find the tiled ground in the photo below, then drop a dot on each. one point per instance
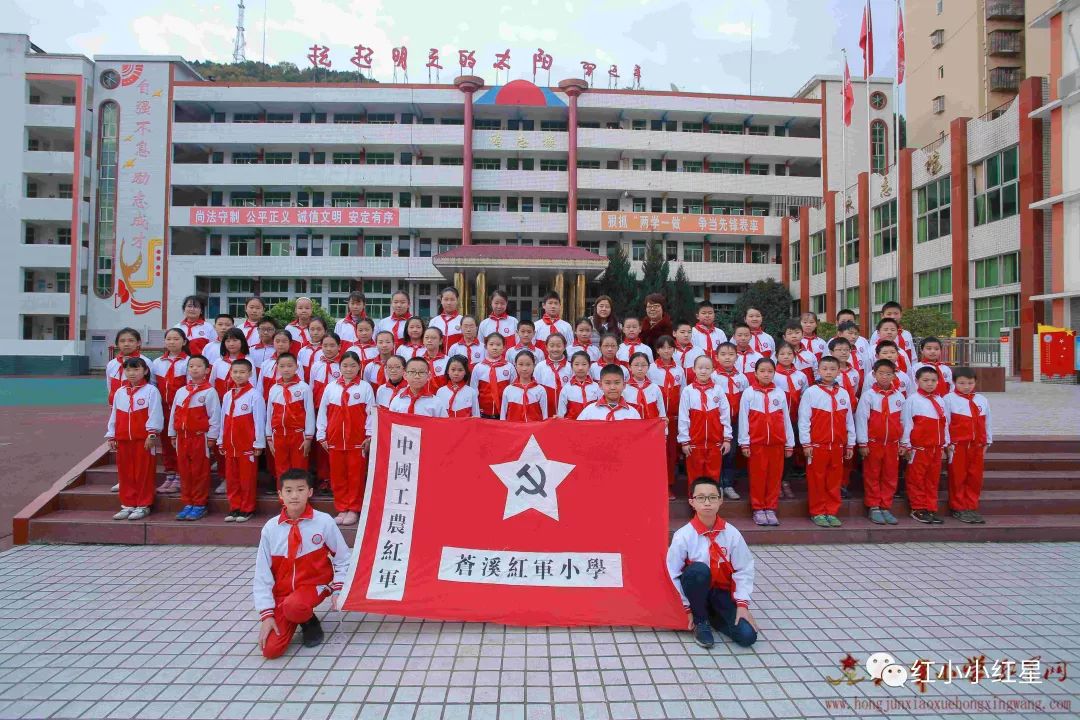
(168, 632)
(1036, 409)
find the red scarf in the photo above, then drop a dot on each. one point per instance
(228, 360)
(190, 325)
(524, 396)
(413, 399)
(720, 568)
(707, 332)
(454, 390)
(346, 415)
(170, 375)
(397, 320)
(305, 337)
(550, 322)
(978, 433)
(493, 380)
(612, 409)
(582, 384)
(555, 368)
(755, 336)
(296, 540)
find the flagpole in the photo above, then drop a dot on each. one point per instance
(869, 151)
(896, 140)
(843, 211)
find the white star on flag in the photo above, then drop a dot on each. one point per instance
(531, 481)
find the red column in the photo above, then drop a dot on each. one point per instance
(467, 84)
(573, 88)
(830, 254)
(865, 254)
(905, 247)
(746, 250)
(804, 257)
(785, 250)
(959, 159)
(1032, 248)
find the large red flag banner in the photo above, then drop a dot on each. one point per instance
(554, 523)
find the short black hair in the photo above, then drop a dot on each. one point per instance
(138, 362)
(663, 341)
(613, 369)
(523, 353)
(351, 355)
(705, 304)
(526, 323)
(847, 325)
(635, 356)
(964, 372)
(243, 362)
(726, 344)
(461, 360)
(127, 331)
(739, 324)
(366, 320)
(764, 360)
(551, 296)
(284, 355)
(227, 316)
(892, 304)
(357, 295)
(234, 333)
(927, 369)
(885, 363)
(704, 481)
(828, 359)
(199, 357)
(296, 474)
(839, 341)
(931, 339)
(885, 344)
(845, 311)
(793, 324)
(581, 354)
(267, 320)
(885, 321)
(410, 361)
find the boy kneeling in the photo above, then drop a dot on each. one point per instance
(713, 570)
(302, 560)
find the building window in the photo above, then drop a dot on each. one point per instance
(847, 237)
(934, 218)
(726, 168)
(885, 291)
(487, 124)
(691, 127)
(795, 263)
(693, 252)
(451, 161)
(481, 203)
(380, 119)
(277, 199)
(879, 146)
(937, 38)
(637, 250)
(486, 164)
(993, 314)
(940, 6)
(817, 253)
(275, 245)
(241, 247)
(450, 202)
(996, 187)
(342, 246)
(105, 236)
(725, 253)
(379, 158)
(885, 228)
(938, 104)
(240, 198)
(245, 158)
(553, 165)
(762, 130)
(278, 158)
(692, 166)
(377, 245)
(760, 254)
(758, 169)
(849, 298)
(935, 282)
(553, 205)
(519, 163)
(941, 72)
(588, 204)
(817, 304)
(344, 199)
(382, 200)
(588, 164)
(349, 158)
(553, 125)
(997, 270)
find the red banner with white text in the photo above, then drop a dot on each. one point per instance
(560, 523)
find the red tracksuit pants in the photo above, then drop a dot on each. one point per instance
(136, 468)
(289, 453)
(966, 476)
(881, 469)
(295, 608)
(924, 479)
(703, 461)
(320, 462)
(348, 474)
(672, 451)
(766, 468)
(193, 464)
(241, 474)
(168, 452)
(824, 473)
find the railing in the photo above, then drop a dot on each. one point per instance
(1004, 42)
(1004, 79)
(1004, 9)
(969, 351)
(931, 147)
(997, 112)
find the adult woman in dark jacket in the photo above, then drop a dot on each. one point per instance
(656, 322)
(604, 320)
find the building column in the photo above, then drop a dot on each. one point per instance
(905, 246)
(1032, 250)
(804, 257)
(467, 84)
(463, 292)
(830, 255)
(481, 295)
(865, 254)
(579, 311)
(785, 250)
(960, 202)
(559, 286)
(573, 88)
(746, 250)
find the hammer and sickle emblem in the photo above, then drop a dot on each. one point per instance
(537, 487)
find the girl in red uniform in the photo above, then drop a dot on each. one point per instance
(583, 333)
(414, 339)
(134, 424)
(346, 421)
(492, 376)
(459, 397)
(449, 320)
(254, 309)
(364, 345)
(128, 345)
(298, 328)
(290, 418)
(194, 427)
(766, 438)
(268, 373)
(198, 330)
(609, 347)
(309, 353)
(469, 346)
(792, 381)
(170, 373)
(434, 357)
(704, 423)
(233, 347)
(642, 393)
(671, 379)
(243, 426)
(553, 371)
(581, 390)
(524, 400)
(393, 381)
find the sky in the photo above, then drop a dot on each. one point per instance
(700, 46)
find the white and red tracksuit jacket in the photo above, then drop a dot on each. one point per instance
(815, 345)
(733, 569)
(424, 403)
(746, 361)
(704, 415)
(851, 381)
(826, 417)
(646, 397)
(386, 392)
(258, 353)
(792, 381)
(546, 327)
(290, 410)
(732, 382)
(460, 400)
(903, 340)
(395, 325)
(300, 335)
(196, 409)
(306, 358)
(243, 421)
(221, 374)
(589, 349)
(945, 381)
(901, 382)
(436, 370)
(323, 374)
(199, 334)
(597, 367)
(926, 422)
(471, 351)
(575, 395)
(268, 375)
(537, 349)
(409, 350)
(762, 343)
(877, 417)
(685, 357)
(627, 350)
(764, 418)
(707, 339)
(136, 413)
(346, 414)
(450, 326)
(806, 362)
(491, 378)
(969, 418)
(170, 374)
(505, 325)
(552, 376)
(114, 373)
(250, 330)
(366, 351)
(309, 552)
(345, 328)
(604, 411)
(375, 373)
(671, 380)
(524, 403)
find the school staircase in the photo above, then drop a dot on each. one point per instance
(1031, 493)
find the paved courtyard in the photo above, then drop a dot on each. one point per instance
(168, 632)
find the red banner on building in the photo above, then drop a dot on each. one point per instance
(687, 223)
(292, 217)
(554, 523)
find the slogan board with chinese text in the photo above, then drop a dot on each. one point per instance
(682, 222)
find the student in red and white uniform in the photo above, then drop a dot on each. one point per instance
(765, 438)
(434, 357)
(685, 352)
(524, 400)
(887, 350)
(449, 320)
(264, 345)
(847, 326)
(611, 405)
(971, 434)
(128, 345)
(792, 381)
(498, 321)
(849, 378)
(243, 438)
(344, 426)
(609, 348)
(931, 357)
(309, 353)
(705, 335)
(492, 376)
(926, 441)
(805, 360)
(268, 373)
(810, 339)
(298, 328)
(290, 417)
(551, 321)
(469, 346)
(374, 371)
(671, 379)
(878, 430)
(393, 381)
(889, 330)
(526, 340)
(554, 371)
(254, 310)
(198, 330)
(827, 436)
(223, 322)
(233, 347)
(583, 334)
(732, 382)
(632, 343)
(895, 311)
(170, 374)
(760, 341)
(643, 394)
(194, 426)
(457, 395)
(135, 422)
(417, 397)
(745, 357)
(414, 339)
(579, 390)
(302, 560)
(325, 367)
(348, 327)
(399, 315)
(704, 423)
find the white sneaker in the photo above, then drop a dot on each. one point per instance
(115, 488)
(730, 494)
(139, 513)
(220, 489)
(124, 514)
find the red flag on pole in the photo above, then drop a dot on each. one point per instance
(901, 55)
(518, 523)
(849, 94)
(866, 41)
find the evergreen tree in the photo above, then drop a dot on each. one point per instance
(681, 304)
(774, 301)
(618, 281)
(654, 278)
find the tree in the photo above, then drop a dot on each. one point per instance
(252, 71)
(654, 278)
(924, 322)
(284, 313)
(774, 301)
(826, 330)
(618, 281)
(681, 304)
